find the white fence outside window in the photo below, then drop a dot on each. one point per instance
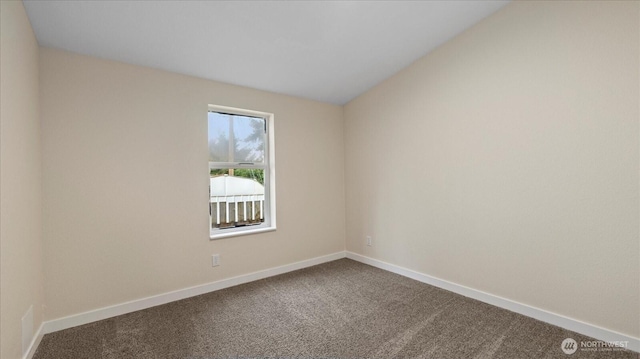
(235, 201)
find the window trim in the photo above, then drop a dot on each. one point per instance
(269, 176)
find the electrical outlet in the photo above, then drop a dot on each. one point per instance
(369, 241)
(215, 260)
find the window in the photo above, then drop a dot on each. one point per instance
(241, 172)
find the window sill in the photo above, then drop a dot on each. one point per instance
(238, 233)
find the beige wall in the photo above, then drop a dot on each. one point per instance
(126, 182)
(21, 278)
(507, 161)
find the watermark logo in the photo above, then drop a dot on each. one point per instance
(569, 346)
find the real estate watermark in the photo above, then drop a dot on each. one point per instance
(570, 346)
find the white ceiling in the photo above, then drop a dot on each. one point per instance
(330, 51)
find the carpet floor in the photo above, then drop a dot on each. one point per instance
(340, 309)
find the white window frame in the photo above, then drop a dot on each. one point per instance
(269, 223)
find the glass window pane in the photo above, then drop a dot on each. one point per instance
(237, 197)
(250, 173)
(234, 138)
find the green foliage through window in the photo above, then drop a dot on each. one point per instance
(252, 173)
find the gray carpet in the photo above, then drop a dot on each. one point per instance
(341, 309)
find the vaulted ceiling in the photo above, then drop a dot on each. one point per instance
(330, 51)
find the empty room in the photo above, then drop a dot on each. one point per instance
(319, 179)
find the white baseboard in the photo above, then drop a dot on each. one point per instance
(34, 342)
(144, 303)
(529, 311)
